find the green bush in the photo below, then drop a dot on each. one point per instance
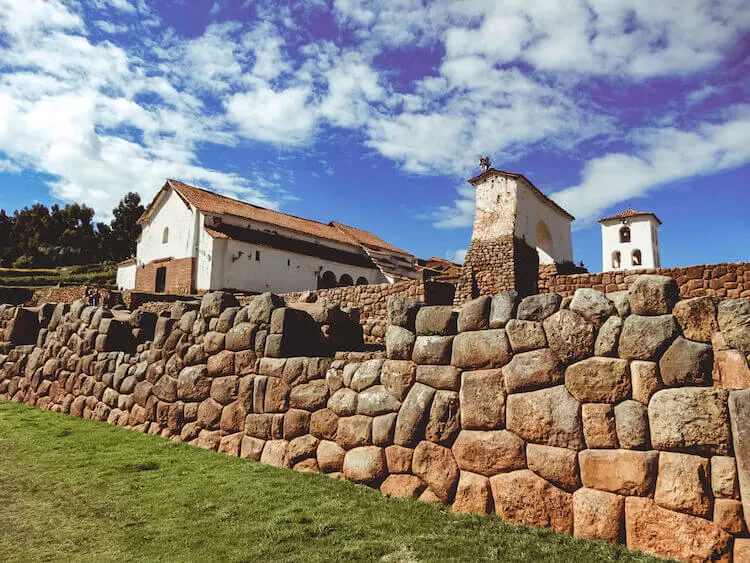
(24, 262)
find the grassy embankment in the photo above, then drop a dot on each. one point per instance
(79, 490)
(93, 274)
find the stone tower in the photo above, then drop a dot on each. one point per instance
(630, 241)
(516, 228)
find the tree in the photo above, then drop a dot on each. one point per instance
(124, 227)
(6, 247)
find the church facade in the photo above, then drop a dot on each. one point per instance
(196, 240)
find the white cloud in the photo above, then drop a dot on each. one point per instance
(457, 256)
(459, 214)
(661, 156)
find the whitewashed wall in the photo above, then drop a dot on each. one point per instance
(126, 276)
(643, 236)
(175, 215)
(531, 210)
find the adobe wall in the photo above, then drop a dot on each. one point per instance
(719, 280)
(179, 276)
(626, 420)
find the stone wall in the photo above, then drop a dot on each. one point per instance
(623, 419)
(719, 280)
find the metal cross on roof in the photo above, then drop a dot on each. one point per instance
(485, 163)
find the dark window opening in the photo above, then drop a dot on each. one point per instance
(362, 280)
(327, 280)
(625, 234)
(161, 280)
(346, 280)
(257, 255)
(637, 259)
(616, 259)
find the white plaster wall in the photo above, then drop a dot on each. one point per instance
(205, 247)
(496, 208)
(178, 217)
(532, 209)
(643, 236)
(279, 271)
(126, 276)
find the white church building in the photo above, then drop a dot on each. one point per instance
(195, 240)
(630, 241)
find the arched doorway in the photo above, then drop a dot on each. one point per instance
(361, 280)
(346, 280)
(327, 280)
(544, 246)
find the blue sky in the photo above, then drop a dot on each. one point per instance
(374, 113)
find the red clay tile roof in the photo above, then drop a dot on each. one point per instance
(629, 213)
(475, 180)
(367, 239)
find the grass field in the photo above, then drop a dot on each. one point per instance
(101, 274)
(79, 490)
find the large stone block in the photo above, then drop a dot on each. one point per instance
(330, 456)
(631, 420)
(443, 422)
(439, 320)
(482, 399)
(646, 338)
(559, 466)
(548, 416)
(608, 338)
(599, 380)
(593, 306)
(728, 514)
(625, 472)
(645, 380)
(437, 467)
(503, 308)
(525, 335)
(376, 401)
(570, 336)
(481, 349)
(433, 350)
(683, 484)
(260, 309)
(365, 465)
(366, 375)
(439, 377)
(399, 459)
(413, 415)
(598, 515)
(399, 343)
(673, 535)
(538, 307)
(599, 427)
(690, 419)
(731, 370)
(686, 363)
(475, 314)
(354, 431)
(529, 371)
(473, 494)
(734, 321)
(402, 486)
(402, 311)
(343, 402)
(215, 302)
(653, 295)
(193, 383)
(309, 396)
(397, 376)
(521, 497)
(739, 409)
(724, 477)
(697, 318)
(489, 452)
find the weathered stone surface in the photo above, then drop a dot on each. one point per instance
(609, 337)
(728, 515)
(475, 314)
(673, 535)
(365, 465)
(367, 375)
(731, 370)
(402, 311)
(525, 335)
(193, 383)
(436, 466)
(548, 416)
(683, 484)
(599, 380)
(343, 402)
(301, 448)
(646, 338)
(402, 486)
(559, 466)
(296, 423)
(433, 350)
(521, 497)
(538, 307)
(625, 472)
(645, 380)
(653, 295)
(724, 477)
(443, 422)
(473, 494)
(621, 302)
(570, 336)
(481, 349)
(215, 302)
(482, 399)
(399, 459)
(383, 427)
(275, 453)
(741, 550)
(277, 395)
(397, 377)
(251, 448)
(412, 417)
(377, 400)
(489, 452)
(224, 389)
(330, 456)
(532, 370)
(599, 428)
(324, 424)
(598, 515)
(739, 409)
(690, 419)
(241, 337)
(399, 343)
(734, 320)
(354, 431)
(439, 377)
(233, 419)
(631, 420)
(165, 389)
(686, 363)
(503, 308)
(309, 396)
(593, 306)
(439, 320)
(697, 318)
(209, 414)
(260, 309)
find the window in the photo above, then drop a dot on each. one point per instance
(625, 234)
(346, 280)
(616, 258)
(257, 255)
(165, 235)
(361, 280)
(288, 262)
(327, 280)
(160, 284)
(636, 258)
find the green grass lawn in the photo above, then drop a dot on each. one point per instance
(79, 490)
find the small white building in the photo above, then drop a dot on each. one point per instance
(508, 204)
(630, 241)
(194, 240)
